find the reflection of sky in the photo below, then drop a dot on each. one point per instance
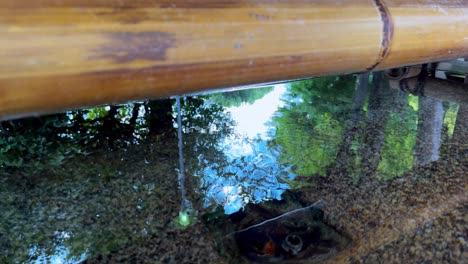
(252, 121)
(60, 256)
(252, 172)
(251, 118)
(255, 177)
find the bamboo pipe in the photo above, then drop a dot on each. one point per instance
(64, 54)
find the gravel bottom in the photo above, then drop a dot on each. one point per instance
(443, 240)
(420, 217)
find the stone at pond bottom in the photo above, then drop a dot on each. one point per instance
(295, 235)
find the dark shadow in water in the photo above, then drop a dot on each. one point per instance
(295, 235)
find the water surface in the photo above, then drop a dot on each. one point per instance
(101, 184)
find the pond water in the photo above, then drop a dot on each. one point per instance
(103, 185)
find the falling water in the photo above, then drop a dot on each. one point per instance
(181, 157)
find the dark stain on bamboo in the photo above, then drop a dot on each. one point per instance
(125, 15)
(387, 33)
(260, 17)
(130, 46)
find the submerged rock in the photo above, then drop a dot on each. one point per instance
(295, 235)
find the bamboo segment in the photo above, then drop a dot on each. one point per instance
(426, 30)
(57, 55)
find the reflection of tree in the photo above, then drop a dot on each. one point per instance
(430, 123)
(400, 134)
(461, 124)
(361, 137)
(205, 125)
(95, 205)
(116, 125)
(158, 115)
(379, 136)
(52, 197)
(308, 127)
(46, 142)
(380, 99)
(36, 143)
(92, 203)
(364, 133)
(348, 159)
(236, 98)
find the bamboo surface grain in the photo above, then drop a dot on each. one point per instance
(57, 55)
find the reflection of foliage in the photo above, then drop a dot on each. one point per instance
(36, 144)
(310, 151)
(250, 178)
(204, 126)
(40, 174)
(309, 127)
(450, 118)
(400, 139)
(47, 142)
(236, 98)
(114, 125)
(95, 205)
(91, 203)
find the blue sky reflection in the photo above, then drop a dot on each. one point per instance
(252, 172)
